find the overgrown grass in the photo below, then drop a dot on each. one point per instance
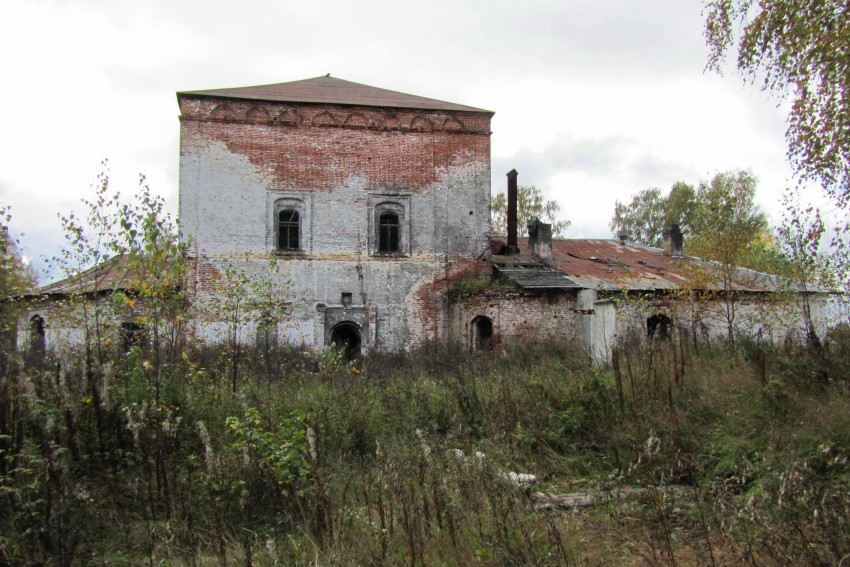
(730, 458)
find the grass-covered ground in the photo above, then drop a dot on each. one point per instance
(739, 458)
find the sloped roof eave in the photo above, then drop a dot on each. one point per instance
(612, 266)
(331, 90)
(110, 275)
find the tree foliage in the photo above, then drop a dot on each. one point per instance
(728, 226)
(246, 296)
(732, 231)
(16, 278)
(147, 237)
(138, 237)
(799, 48)
(801, 235)
(530, 205)
(720, 220)
(649, 213)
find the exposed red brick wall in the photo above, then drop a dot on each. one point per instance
(238, 156)
(518, 316)
(317, 147)
(428, 303)
(207, 277)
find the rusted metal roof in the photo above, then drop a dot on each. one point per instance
(113, 274)
(330, 90)
(611, 265)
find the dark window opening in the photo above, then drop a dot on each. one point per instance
(483, 329)
(388, 233)
(346, 337)
(346, 299)
(288, 230)
(133, 335)
(37, 334)
(658, 327)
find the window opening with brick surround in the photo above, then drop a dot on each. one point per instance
(390, 224)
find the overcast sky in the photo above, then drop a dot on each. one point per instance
(594, 99)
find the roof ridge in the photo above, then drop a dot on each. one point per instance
(326, 89)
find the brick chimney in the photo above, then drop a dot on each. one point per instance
(512, 212)
(540, 239)
(673, 245)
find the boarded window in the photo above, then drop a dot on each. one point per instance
(289, 230)
(388, 233)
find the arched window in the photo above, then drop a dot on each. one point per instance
(389, 225)
(658, 327)
(288, 230)
(37, 334)
(289, 223)
(388, 232)
(482, 333)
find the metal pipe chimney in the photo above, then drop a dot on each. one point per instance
(673, 242)
(512, 212)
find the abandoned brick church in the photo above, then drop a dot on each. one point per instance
(376, 206)
(374, 201)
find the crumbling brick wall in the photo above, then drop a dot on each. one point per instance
(769, 317)
(338, 165)
(517, 316)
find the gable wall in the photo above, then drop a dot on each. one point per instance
(339, 165)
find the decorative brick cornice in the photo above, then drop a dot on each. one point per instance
(333, 116)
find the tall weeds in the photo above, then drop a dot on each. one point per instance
(729, 458)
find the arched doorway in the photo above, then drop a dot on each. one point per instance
(346, 337)
(482, 333)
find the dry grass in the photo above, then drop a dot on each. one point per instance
(739, 461)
